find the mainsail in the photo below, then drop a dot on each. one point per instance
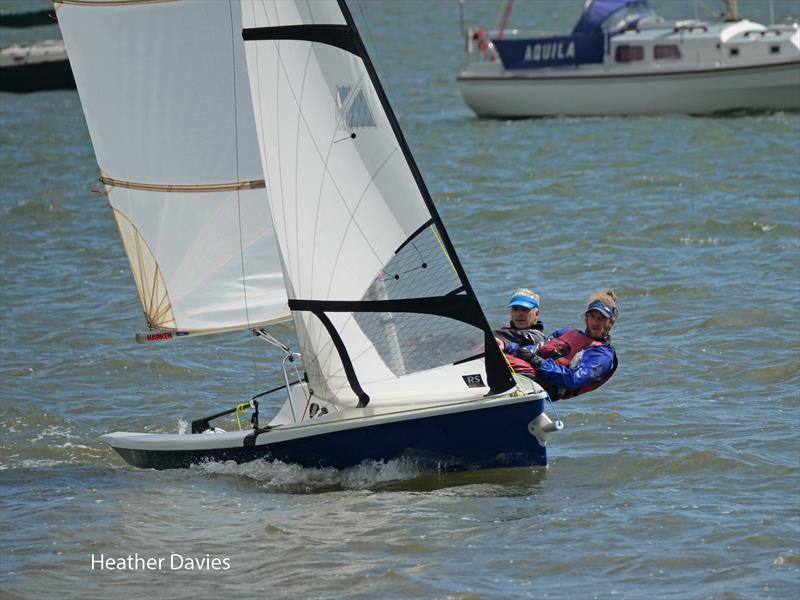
(381, 305)
(165, 93)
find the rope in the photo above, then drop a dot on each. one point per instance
(239, 198)
(272, 340)
(240, 408)
(553, 406)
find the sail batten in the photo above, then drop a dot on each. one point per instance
(110, 3)
(183, 187)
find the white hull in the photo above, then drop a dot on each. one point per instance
(34, 68)
(633, 62)
(772, 87)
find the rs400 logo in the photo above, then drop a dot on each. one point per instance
(474, 381)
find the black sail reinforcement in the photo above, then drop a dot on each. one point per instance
(341, 36)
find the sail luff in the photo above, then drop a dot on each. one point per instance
(498, 373)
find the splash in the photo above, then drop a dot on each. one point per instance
(402, 474)
(277, 476)
(708, 241)
(763, 227)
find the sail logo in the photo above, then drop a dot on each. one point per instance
(157, 337)
(549, 51)
(474, 381)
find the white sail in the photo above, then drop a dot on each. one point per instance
(165, 93)
(381, 306)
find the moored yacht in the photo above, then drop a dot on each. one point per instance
(622, 58)
(35, 67)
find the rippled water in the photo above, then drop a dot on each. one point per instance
(679, 479)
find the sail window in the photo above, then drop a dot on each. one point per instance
(412, 342)
(666, 52)
(626, 54)
(354, 108)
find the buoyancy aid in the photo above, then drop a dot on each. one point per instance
(530, 336)
(567, 350)
(519, 365)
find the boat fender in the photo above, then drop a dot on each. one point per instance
(484, 45)
(543, 425)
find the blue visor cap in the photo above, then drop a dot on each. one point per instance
(604, 309)
(523, 301)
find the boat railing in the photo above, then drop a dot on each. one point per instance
(773, 30)
(289, 359)
(690, 26)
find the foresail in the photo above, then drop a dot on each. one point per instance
(379, 299)
(164, 89)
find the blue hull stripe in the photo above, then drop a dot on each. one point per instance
(488, 438)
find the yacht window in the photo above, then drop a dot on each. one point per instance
(666, 51)
(734, 52)
(629, 53)
(774, 49)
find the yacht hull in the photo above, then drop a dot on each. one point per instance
(35, 68)
(700, 91)
(486, 434)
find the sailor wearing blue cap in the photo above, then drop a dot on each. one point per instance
(573, 362)
(525, 329)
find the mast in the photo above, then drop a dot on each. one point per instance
(733, 10)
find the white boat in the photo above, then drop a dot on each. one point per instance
(35, 67)
(257, 173)
(621, 58)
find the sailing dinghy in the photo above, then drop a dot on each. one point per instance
(257, 173)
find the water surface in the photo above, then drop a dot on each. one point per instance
(678, 479)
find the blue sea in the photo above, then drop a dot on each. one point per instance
(680, 478)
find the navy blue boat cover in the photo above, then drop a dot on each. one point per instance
(584, 45)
